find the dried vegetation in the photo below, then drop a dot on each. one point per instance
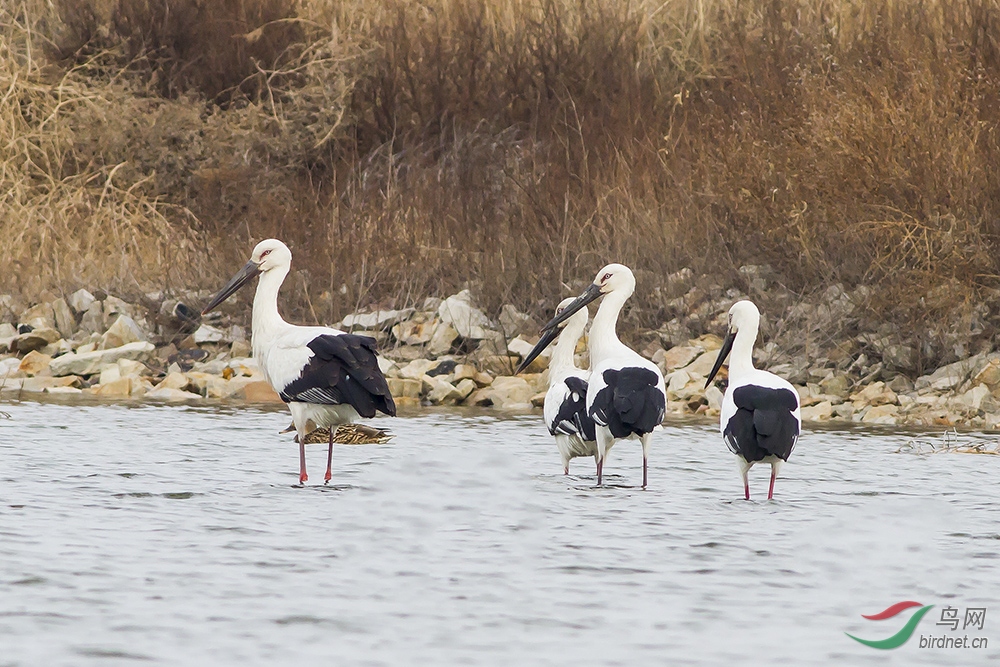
(408, 148)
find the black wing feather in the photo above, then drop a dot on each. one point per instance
(342, 370)
(630, 403)
(763, 424)
(572, 418)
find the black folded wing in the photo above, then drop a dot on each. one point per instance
(343, 370)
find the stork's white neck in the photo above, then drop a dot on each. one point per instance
(741, 357)
(266, 319)
(604, 341)
(562, 356)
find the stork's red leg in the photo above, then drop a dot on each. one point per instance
(303, 477)
(770, 491)
(329, 458)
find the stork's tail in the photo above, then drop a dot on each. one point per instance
(350, 434)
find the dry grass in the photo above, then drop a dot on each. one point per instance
(411, 148)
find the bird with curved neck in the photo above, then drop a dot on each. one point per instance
(565, 408)
(327, 377)
(626, 396)
(760, 420)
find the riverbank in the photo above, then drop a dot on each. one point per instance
(450, 352)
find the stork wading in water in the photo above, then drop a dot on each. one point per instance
(626, 396)
(760, 419)
(565, 410)
(326, 376)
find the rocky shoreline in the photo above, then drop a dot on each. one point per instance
(449, 352)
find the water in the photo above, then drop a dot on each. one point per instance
(177, 536)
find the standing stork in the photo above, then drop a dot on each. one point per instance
(760, 419)
(326, 376)
(626, 396)
(565, 410)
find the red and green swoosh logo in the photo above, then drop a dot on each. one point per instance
(905, 632)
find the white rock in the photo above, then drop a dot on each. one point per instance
(714, 397)
(416, 369)
(208, 334)
(377, 320)
(89, 363)
(973, 399)
(442, 339)
(109, 374)
(170, 394)
(115, 306)
(952, 375)
(819, 412)
(443, 392)
(701, 366)
(522, 348)
(511, 392)
(7, 330)
(9, 367)
(881, 414)
(459, 311)
(81, 300)
(122, 332)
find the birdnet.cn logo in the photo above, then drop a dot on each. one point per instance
(951, 636)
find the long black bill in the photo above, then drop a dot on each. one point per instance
(592, 293)
(727, 345)
(542, 343)
(246, 274)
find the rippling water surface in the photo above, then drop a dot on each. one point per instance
(177, 536)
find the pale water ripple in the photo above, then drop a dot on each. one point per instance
(175, 536)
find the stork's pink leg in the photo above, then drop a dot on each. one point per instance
(746, 486)
(600, 471)
(329, 458)
(770, 491)
(303, 477)
(644, 466)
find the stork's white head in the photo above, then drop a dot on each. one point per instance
(575, 323)
(615, 278)
(578, 320)
(271, 254)
(743, 315)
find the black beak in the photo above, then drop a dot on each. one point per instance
(542, 343)
(727, 345)
(591, 294)
(246, 274)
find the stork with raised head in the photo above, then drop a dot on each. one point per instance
(626, 396)
(327, 377)
(565, 410)
(760, 419)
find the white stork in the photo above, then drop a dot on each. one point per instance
(326, 376)
(626, 396)
(565, 410)
(760, 419)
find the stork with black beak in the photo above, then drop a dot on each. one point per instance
(327, 377)
(626, 396)
(565, 409)
(760, 419)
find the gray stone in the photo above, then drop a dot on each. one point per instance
(512, 321)
(115, 306)
(89, 363)
(952, 375)
(459, 311)
(93, 319)
(64, 318)
(81, 300)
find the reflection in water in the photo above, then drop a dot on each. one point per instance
(178, 535)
